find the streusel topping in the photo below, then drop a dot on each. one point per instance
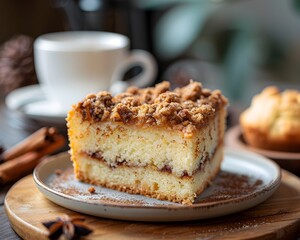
(185, 108)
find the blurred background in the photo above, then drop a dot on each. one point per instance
(237, 46)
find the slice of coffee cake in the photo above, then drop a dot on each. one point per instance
(162, 144)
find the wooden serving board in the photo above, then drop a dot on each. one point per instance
(276, 218)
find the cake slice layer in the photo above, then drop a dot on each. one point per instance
(148, 181)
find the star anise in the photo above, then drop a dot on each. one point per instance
(71, 228)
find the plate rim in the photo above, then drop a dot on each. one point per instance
(233, 138)
(270, 187)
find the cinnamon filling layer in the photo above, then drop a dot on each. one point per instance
(166, 169)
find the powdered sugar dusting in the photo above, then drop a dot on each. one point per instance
(226, 186)
(66, 183)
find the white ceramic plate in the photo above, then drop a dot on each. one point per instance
(31, 102)
(245, 180)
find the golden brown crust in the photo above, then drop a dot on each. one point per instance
(185, 108)
(273, 120)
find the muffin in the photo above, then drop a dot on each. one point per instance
(273, 120)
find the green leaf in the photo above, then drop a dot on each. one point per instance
(297, 5)
(179, 27)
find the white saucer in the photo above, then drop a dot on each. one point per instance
(31, 102)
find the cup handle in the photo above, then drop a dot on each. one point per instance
(143, 79)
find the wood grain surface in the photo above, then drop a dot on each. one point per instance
(276, 218)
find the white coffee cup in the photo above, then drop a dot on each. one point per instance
(70, 65)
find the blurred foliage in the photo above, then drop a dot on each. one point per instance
(238, 46)
(171, 39)
(297, 5)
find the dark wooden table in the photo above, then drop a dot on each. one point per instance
(8, 137)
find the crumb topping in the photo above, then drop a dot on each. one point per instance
(185, 108)
(92, 189)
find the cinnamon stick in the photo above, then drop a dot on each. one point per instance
(18, 167)
(34, 142)
(24, 164)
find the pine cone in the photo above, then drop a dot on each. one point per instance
(16, 64)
